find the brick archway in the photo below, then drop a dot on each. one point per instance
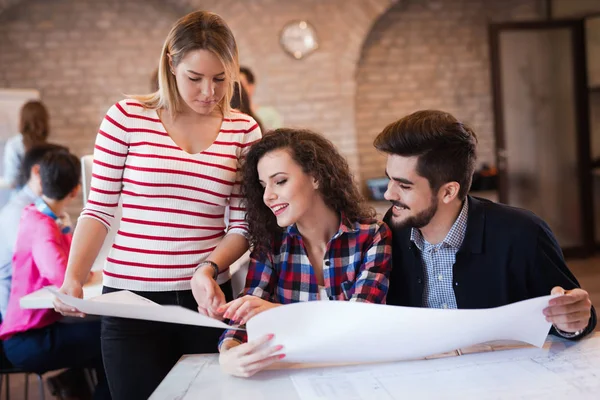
(424, 54)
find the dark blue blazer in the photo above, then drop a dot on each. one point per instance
(508, 255)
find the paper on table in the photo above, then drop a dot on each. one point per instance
(130, 306)
(339, 331)
(510, 374)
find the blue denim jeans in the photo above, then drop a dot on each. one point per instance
(60, 345)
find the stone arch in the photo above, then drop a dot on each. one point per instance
(430, 54)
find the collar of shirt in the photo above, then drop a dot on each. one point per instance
(28, 193)
(345, 227)
(455, 236)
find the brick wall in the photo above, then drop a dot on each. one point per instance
(83, 55)
(319, 91)
(430, 54)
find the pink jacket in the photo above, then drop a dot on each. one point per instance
(40, 260)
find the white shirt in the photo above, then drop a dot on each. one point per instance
(13, 155)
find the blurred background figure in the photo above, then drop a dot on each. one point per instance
(10, 215)
(154, 81)
(38, 340)
(241, 102)
(34, 129)
(269, 116)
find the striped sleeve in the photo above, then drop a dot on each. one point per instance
(110, 153)
(237, 216)
(261, 281)
(372, 283)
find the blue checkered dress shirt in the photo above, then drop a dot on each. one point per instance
(438, 261)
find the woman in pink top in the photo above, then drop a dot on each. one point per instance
(36, 340)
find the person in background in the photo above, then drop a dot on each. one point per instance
(241, 102)
(451, 250)
(268, 115)
(154, 81)
(69, 382)
(10, 215)
(34, 126)
(36, 340)
(313, 238)
(172, 158)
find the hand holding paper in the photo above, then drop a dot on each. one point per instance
(345, 332)
(125, 304)
(73, 289)
(243, 308)
(247, 359)
(570, 312)
(207, 292)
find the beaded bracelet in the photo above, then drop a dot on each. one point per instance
(212, 264)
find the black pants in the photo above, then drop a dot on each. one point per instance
(60, 345)
(139, 354)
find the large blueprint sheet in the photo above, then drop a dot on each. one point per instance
(351, 332)
(556, 373)
(561, 370)
(346, 332)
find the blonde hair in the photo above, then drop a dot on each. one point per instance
(34, 124)
(199, 30)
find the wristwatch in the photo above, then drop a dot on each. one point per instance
(568, 335)
(212, 264)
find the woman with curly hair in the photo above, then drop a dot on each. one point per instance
(313, 238)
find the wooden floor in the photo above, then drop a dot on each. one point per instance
(587, 272)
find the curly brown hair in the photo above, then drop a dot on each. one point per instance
(317, 157)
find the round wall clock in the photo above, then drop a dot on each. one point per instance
(298, 39)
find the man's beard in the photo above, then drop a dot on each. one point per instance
(418, 221)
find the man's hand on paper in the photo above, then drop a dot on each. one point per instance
(72, 288)
(207, 292)
(246, 359)
(242, 309)
(569, 312)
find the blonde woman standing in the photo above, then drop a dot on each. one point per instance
(173, 158)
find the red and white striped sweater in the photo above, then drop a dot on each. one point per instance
(173, 202)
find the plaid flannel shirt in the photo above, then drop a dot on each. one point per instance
(356, 267)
